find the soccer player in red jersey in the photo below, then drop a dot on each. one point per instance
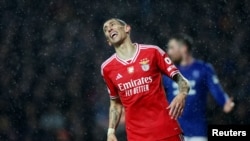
(133, 76)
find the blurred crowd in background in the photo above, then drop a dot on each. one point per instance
(51, 88)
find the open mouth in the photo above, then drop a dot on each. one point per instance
(113, 34)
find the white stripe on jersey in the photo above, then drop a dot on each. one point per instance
(137, 52)
(139, 47)
(107, 62)
(143, 46)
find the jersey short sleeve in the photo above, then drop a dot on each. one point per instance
(113, 94)
(165, 64)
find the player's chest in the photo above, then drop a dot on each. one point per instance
(194, 74)
(142, 67)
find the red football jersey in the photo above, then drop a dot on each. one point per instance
(138, 83)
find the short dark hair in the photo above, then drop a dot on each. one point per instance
(122, 22)
(184, 39)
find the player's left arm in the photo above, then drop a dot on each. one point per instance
(217, 91)
(178, 103)
(169, 69)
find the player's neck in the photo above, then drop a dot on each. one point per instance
(187, 60)
(126, 50)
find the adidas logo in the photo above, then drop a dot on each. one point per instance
(119, 76)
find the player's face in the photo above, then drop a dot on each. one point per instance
(174, 50)
(115, 32)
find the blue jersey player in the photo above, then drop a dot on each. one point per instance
(202, 79)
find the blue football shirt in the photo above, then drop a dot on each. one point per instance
(203, 80)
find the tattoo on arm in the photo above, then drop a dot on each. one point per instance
(182, 83)
(114, 115)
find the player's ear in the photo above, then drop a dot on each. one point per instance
(184, 49)
(109, 43)
(127, 28)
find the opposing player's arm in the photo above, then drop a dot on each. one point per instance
(216, 89)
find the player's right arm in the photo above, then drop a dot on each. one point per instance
(115, 111)
(115, 108)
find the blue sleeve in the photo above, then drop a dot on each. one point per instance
(214, 85)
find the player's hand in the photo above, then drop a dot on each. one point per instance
(111, 137)
(229, 105)
(177, 105)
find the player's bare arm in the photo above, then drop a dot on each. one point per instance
(177, 105)
(182, 83)
(115, 112)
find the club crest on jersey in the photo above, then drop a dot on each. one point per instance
(130, 69)
(145, 64)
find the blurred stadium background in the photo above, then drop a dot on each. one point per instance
(51, 51)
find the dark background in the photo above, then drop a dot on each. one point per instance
(51, 51)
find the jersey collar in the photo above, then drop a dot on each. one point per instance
(131, 60)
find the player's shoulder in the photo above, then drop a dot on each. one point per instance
(203, 64)
(107, 62)
(150, 47)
